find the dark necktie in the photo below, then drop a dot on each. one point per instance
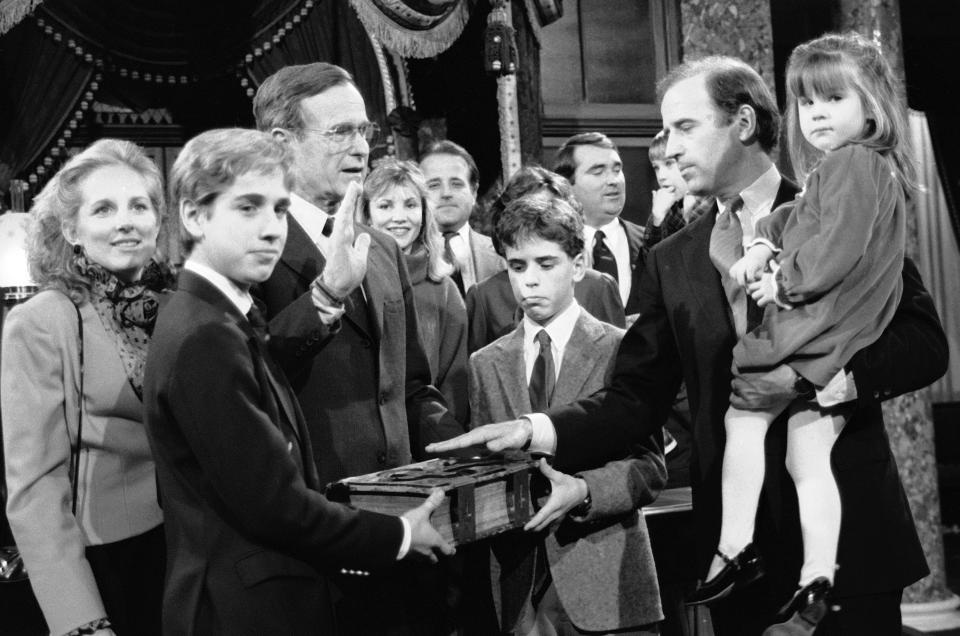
(451, 257)
(603, 260)
(257, 321)
(544, 375)
(726, 248)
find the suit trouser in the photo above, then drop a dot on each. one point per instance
(129, 575)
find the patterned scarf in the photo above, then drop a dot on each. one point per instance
(127, 311)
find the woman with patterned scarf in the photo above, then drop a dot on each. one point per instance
(88, 522)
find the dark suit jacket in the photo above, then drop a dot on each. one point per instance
(602, 567)
(248, 532)
(682, 334)
(492, 311)
(635, 241)
(366, 392)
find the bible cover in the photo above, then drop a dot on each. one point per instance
(484, 495)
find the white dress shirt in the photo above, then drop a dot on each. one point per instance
(239, 297)
(615, 237)
(460, 244)
(559, 329)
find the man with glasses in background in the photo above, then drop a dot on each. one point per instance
(346, 309)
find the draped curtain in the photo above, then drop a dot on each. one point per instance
(204, 60)
(939, 255)
(42, 81)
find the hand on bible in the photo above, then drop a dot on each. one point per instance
(497, 437)
(347, 260)
(566, 492)
(425, 541)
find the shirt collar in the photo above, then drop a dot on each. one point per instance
(239, 297)
(559, 329)
(758, 197)
(464, 232)
(310, 217)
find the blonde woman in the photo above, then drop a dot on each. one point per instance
(87, 521)
(395, 202)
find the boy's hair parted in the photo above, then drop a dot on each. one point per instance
(548, 218)
(392, 173)
(210, 162)
(530, 179)
(836, 61)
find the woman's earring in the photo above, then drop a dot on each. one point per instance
(77, 249)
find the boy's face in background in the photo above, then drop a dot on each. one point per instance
(542, 276)
(669, 178)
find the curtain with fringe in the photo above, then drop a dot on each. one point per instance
(198, 64)
(12, 12)
(414, 28)
(939, 255)
(42, 84)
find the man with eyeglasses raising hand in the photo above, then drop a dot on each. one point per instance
(345, 307)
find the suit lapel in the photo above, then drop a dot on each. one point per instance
(301, 254)
(511, 373)
(203, 289)
(578, 362)
(702, 276)
(634, 242)
(371, 320)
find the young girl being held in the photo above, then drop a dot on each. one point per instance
(836, 255)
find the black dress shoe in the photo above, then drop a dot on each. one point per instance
(740, 571)
(805, 610)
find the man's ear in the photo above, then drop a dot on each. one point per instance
(281, 134)
(746, 122)
(191, 217)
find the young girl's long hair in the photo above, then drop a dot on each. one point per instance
(831, 63)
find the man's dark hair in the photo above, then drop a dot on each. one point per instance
(548, 218)
(564, 163)
(732, 83)
(447, 147)
(277, 102)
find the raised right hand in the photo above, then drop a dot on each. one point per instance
(425, 541)
(347, 261)
(497, 437)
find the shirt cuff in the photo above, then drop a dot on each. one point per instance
(841, 388)
(544, 437)
(762, 241)
(328, 314)
(407, 539)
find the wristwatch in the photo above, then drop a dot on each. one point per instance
(804, 388)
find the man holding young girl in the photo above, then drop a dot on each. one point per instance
(723, 126)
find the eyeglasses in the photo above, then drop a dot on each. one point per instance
(342, 133)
